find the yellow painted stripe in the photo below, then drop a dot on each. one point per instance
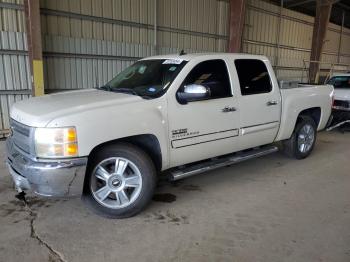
(38, 77)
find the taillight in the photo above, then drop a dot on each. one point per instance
(332, 96)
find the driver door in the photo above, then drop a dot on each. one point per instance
(206, 127)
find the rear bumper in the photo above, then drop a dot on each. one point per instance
(54, 178)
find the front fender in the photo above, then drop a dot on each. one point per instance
(101, 125)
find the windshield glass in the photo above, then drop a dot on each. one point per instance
(146, 78)
(340, 81)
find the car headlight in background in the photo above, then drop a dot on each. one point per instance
(56, 142)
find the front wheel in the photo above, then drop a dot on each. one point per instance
(303, 139)
(120, 181)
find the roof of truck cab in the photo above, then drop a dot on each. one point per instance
(188, 57)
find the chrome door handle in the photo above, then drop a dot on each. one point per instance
(227, 109)
(272, 103)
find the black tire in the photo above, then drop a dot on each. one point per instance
(290, 146)
(148, 174)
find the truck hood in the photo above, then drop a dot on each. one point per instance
(342, 94)
(39, 111)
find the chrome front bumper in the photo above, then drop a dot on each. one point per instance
(46, 178)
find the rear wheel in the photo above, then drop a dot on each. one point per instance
(303, 139)
(120, 181)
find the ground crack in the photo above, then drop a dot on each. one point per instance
(54, 254)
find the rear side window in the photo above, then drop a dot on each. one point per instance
(253, 76)
(212, 74)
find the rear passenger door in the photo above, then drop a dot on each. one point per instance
(260, 103)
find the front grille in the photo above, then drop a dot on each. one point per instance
(21, 135)
(341, 103)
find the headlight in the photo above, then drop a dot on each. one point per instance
(56, 142)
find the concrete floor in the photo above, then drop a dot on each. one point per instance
(268, 209)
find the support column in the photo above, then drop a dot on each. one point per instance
(33, 26)
(237, 15)
(155, 47)
(323, 11)
(341, 36)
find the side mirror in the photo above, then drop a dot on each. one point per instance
(193, 93)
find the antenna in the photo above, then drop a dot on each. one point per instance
(182, 52)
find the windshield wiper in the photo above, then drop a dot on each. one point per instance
(121, 90)
(124, 90)
(105, 87)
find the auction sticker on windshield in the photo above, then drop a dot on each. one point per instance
(174, 61)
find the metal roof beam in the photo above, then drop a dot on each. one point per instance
(343, 6)
(299, 3)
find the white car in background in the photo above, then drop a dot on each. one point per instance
(341, 105)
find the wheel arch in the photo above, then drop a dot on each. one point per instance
(291, 119)
(314, 113)
(147, 142)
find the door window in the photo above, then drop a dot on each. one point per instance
(253, 76)
(213, 75)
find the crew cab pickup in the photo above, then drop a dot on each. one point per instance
(183, 114)
(341, 105)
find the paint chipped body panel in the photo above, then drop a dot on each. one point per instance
(185, 133)
(53, 178)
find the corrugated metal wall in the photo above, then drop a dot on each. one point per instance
(14, 70)
(86, 42)
(286, 37)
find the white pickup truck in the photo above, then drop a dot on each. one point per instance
(183, 114)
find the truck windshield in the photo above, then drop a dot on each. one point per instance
(146, 78)
(340, 81)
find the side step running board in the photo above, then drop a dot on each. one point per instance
(221, 162)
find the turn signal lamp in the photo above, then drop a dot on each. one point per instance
(56, 142)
